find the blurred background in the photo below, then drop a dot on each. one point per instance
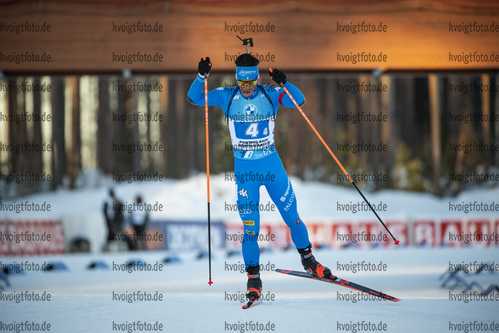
(88, 112)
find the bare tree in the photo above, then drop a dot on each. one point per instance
(74, 149)
(435, 107)
(104, 128)
(58, 142)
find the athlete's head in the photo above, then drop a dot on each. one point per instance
(246, 60)
(247, 73)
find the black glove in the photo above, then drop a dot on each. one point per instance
(278, 76)
(204, 66)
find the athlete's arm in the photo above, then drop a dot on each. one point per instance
(195, 95)
(280, 78)
(285, 100)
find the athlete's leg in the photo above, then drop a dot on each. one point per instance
(248, 199)
(281, 192)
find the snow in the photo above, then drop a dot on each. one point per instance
(186, 200)
(82, 299)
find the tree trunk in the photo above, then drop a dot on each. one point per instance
(13, 127)
(58, 140)
(22, 136)
(180, 101)
(172, 132)
(104, 127)
(73, 151)
(119, 160)
(486, 124)
(388, 133)
(434, 93)
(163, 110)
(37, 166)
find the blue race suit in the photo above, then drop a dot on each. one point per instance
(251, 125)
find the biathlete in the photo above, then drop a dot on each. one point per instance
(250, 110)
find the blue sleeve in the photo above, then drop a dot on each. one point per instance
(295, 92)
(219, 96)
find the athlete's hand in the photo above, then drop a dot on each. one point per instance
(278, 76)
(204, 66)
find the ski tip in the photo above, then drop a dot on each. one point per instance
(248, 305)
(251, 304)
(284, 271)
(395, 300)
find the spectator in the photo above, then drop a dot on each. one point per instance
(139, 219)
(113, 212)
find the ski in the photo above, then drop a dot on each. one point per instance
(340, 282)
(251, 303)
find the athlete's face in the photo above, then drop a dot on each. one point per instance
(247, 87)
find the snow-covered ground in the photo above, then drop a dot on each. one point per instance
(91, 300)
(82, 299)
(186, 200)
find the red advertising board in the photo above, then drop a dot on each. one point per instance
(479, 233)
(424, 233)
(399, 230)
(450, 232)
(453, 232)
(31, 238)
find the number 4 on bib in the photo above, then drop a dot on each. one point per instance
(252, 130)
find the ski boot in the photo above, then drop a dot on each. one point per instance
(254, 284)
(311, 265)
